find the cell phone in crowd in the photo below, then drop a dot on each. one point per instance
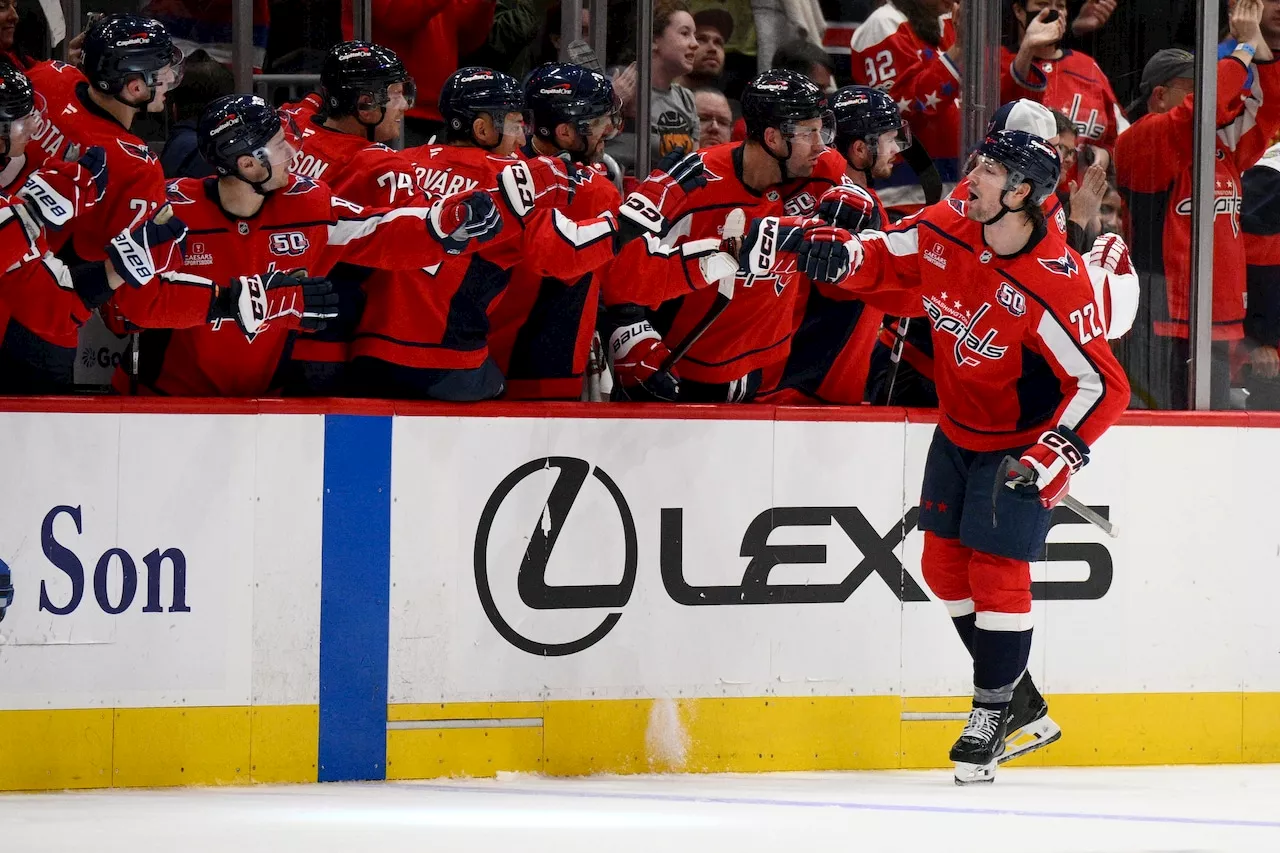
(1052, 16)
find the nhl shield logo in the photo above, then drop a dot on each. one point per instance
(985, 257)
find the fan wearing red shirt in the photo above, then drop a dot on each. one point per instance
(908, 48)
(1074, 84)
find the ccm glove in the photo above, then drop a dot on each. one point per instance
(458, 219)
(59, 190)
(637, 353)
(541, 183)
(849, 207)
(133, 253)
(782, 245)
(289, 301)
(650, 208)
(1053, 459)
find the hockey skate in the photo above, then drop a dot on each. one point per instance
(980, 746)
(1030, 726)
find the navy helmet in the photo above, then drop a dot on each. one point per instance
(118, 48)
(1028, 160)
(777, 98)
(355, 76)
(236, 126)
(474, 91)
(560, 93)
(17, 97)
(864, 113)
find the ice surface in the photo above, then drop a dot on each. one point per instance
(1117, 809)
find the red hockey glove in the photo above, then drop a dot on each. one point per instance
(284, 300)
(538, 184)
(59, 190)
(1053, 459)
(637, 353)
(1111, 254)
(1116, 288)
(458, 219)
(781, 245)
(138, 255)
(654, 202)
(849, 207)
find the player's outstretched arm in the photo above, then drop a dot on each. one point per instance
(289, 300)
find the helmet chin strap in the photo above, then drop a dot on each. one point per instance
(258, 186)
(1004, 208)
(865, 171)
(782, 161)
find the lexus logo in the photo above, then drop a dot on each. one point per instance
(531, 582)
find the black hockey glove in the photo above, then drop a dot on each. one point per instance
(290, 301)
(650, 207)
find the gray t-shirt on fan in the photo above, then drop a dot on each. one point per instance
(674, 123)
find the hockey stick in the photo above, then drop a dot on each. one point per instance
(1015, 473)
(581, 53)
(735, 225)
(895, 356)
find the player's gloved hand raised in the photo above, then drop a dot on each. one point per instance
(652, 205)
(541, 183)
(1053, 459)
(60, 190)
(781, 245)
(849, 207)
(1116, 289)
(637, 352)
(138, 255)
(457, 219)
(290, 301)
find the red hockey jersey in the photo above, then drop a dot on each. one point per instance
(831, 345)
(1018, 344)
(440, 320)
(300, 227)
(541, 329)
(1076, 87)
(369, 174)
(1153, 171)
(755, 330)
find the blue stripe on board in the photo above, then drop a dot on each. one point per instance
(355, 584)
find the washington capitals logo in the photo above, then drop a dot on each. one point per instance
(142, 152)
(1065, 265)
(301, 184)
(174, 195)
(957, 205)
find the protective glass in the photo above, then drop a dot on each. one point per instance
(901, 138)
(516, 124)
(807, 133)
(171, 74)
(410, 92)
(982, 168)
(277, 152)
(604, 127)
(21, 130)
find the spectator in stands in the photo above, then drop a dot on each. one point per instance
(802, 57)
(195, 24)
(807, 58)
(781, 22)
(1154, 172)
(9, 51)
(673, 114)
(1260, 220)
(1111, 212)
(1072, 82)
(203, 80)
(1080, 193)
(430, 35)
(549, 51)
(714, 117)
(712, 28)
(1270, 27)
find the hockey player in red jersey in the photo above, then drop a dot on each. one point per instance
(1023, 369)
(129, 64)
(366, 92)
(260, 238)
(783, 167)
(835, 332)
(433, 342)
(543, 326)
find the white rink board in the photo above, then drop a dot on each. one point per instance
(1186, 607)
(186, 488)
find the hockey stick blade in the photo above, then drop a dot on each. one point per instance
(735, 225)
(581, 53)
(1014, 473)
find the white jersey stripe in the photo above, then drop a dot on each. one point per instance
(1069, 354)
